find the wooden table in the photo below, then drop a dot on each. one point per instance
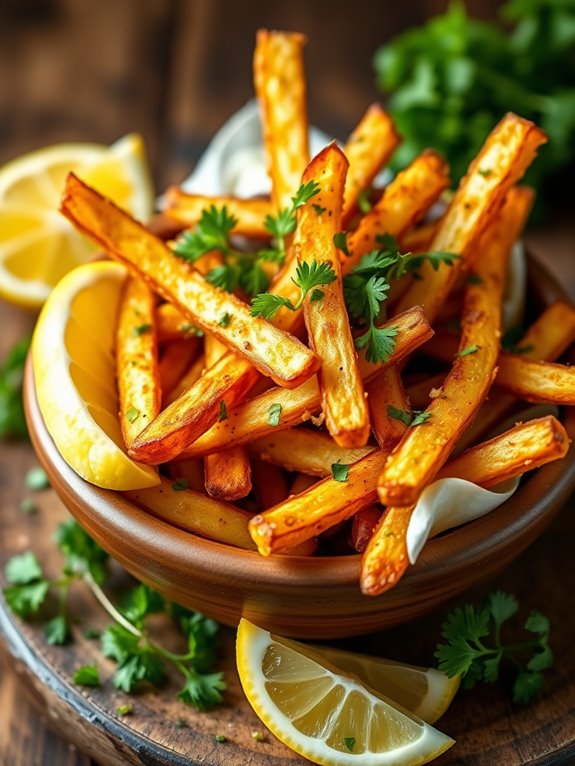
(174, 71)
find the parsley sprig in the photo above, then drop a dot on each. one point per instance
(475, 649)
(12, 421)
(140, 660)
(365, 290)
(309, 277)
(241, 270)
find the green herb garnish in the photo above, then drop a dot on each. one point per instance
(223, 411)
(12, 420)
(468, 350)
(87, 675)
(37, 479)
(414, 418)
(274, 414)
(308, 277)
(340, 471)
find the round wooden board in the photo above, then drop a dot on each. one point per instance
(488, 728)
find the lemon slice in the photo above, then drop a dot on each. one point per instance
(37, 244)
(425, 692)
(74, 373)
(324, 714)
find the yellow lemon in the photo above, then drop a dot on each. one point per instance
(37, 244)
(326, 714)
(74, 373)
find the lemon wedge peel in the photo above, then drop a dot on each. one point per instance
(340, 720)
(84, 423)
(37, 245)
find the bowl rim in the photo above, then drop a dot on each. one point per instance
(116, 518)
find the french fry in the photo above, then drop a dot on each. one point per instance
(273, 352)
(196, 513)
(537, 381)
(251, 420)
(443, 346)
(177, 357)
(270, 484)
(304, 450)
(138, 376)
(172, 324)
(228, 474)
(362, 527)
(407, 198)
(280, 86)
(419, 239)
(507, 153)
(386, 394)
(367, 149)
(195, 411)
(420, 393)
(546, 339)
(187, 380)
(322, 506)
(522, 448)
(343, 397)
(301, 483)
(250, 214)
(188, 472)
(423, 450)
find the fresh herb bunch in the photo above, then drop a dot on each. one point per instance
(12, 421)
(475, 650)
(365, 290)
(139, 659)
(241, 270)
(454, 77)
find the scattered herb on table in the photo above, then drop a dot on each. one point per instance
(475, 649)
(139, 659)
(12, 420)
(454, 77)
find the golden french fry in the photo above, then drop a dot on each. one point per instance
(270, 484)
(256, 418)
(386, 395)
(249, 213)
(407, 198)
(228, 474)
(537, 381)
(189, 473)
(304, 450)
(507, 153)
(173, 325)
(522, 448)
(419, 239)
(420, 393)
(424, 448)
(177, 357)
(186, 381)
(138, 376)
(301, 483)
(279, 80)
(343, 397)
(195, 411)
(195, 513)
(546, 339)
(367, 149)
(274, 353)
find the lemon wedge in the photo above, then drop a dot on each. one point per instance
(325, 714)
(74, 373)
(37, 245)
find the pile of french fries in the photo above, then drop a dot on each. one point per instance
(280, 435)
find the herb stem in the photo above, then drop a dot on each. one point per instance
(109, 607)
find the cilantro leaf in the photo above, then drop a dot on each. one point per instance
(203, 691)
(81, 553)
(537, 623)
(139, 602)
(403, 415)
(23, 569)
(267, 305)
(309, 276)
(57, 631)
(118, 643)
(37, 479)
(25, 600)
(142, 666)
(86, 675)
(379, 343)
(527, 686)
(179, 484)
(502, 606)
(468, 350)
(274, 414)
(211, 233)
(340, 471)
(12, 420)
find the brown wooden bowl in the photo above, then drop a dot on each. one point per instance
(299, 596)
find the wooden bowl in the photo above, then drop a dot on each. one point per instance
(298, 596)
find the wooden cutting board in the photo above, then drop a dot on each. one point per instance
(488, 728)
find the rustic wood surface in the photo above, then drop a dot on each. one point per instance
(174, 71)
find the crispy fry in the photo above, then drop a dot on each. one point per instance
(423, 450)
(270, 484)
(251, 420)
(364, 522)
(195, 513)
(172, 324)
(546, 339)
(384, 392)
(198, 408)
(419, 239)
(322, 506)
(228, 474)
(139, 389)
(301, 449)
(368, 149)
(537, 381)
(271, 351)
(420, 393)
(178, 356)
(280, 86)
(509, 150)
(343, 397)
(190, 472)
(302, 482)
(249, 213)
(522, 448)
(407, 198)
(190, 376)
